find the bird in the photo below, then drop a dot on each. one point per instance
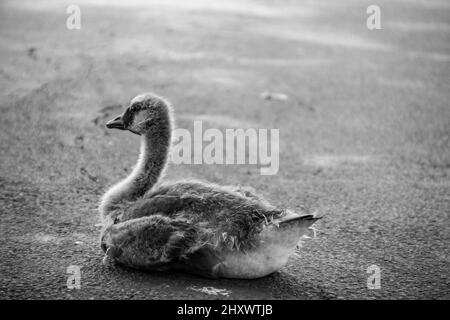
(189, 226)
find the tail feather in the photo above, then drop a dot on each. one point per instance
(305, 220)
(292, 228)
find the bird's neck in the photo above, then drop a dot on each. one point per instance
(150, 165)
(155, 145)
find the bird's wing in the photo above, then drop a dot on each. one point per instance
(160, 204)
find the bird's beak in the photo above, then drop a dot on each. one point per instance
(116, 123)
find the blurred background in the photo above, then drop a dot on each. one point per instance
(364, 123)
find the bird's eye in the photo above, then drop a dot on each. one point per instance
(127, 117)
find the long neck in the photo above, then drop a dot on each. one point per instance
(155, 145)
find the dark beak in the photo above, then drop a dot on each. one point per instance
(116, 123)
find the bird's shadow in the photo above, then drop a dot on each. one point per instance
(278, 285)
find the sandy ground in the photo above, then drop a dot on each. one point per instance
(364, 137)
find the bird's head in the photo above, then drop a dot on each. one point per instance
(143, 112)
